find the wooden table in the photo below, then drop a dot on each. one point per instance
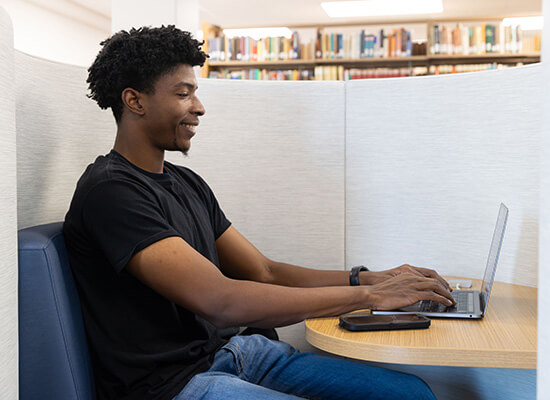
(505, 338)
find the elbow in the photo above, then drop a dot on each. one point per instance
(221, 312)
(221, 323)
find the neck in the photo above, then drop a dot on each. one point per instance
(138, 151)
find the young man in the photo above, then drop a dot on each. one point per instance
(165, 280)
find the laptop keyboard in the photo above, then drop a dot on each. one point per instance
(464, 303)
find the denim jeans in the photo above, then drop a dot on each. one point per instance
(256, 368)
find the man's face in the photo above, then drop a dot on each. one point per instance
(173, 110)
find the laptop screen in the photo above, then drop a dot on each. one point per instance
(492, 260)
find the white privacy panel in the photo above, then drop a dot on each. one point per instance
(8, 220)
(428, 161)
(273, 152)
(59, 132)
(543, 355)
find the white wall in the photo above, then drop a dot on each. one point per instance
(543, 370)
(47, 34)
(182, 13)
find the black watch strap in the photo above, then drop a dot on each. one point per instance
(354, 275)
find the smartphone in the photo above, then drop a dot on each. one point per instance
(383, 322)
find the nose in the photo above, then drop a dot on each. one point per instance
(198, 108)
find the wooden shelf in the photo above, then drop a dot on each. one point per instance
(393, 61)
(376, 62)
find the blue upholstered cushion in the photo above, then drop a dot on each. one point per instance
(53, 355)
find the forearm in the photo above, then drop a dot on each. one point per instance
(295, 276)
(247, 303)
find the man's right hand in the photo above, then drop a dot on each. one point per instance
(406, 289)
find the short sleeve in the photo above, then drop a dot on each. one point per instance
(123, 218)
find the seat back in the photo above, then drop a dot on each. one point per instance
(53, 354)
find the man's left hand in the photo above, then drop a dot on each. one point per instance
(374, 277)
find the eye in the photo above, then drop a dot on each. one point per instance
(183, 94)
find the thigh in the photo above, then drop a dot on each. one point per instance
(319, 377)
(222, 386)
(278, 366)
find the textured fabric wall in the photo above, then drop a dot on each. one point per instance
(428, 161)
(8, 220)
(543, 359)
(273, 153)
(59, 132)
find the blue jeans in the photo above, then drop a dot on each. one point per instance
(256, 368)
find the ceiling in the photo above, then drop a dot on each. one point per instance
(253, 13)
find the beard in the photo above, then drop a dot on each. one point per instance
(182, 150)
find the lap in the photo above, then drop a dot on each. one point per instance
(224, 386)
(278, 367)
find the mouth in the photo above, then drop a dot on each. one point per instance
(191, 127)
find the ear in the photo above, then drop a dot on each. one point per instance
(131, 99)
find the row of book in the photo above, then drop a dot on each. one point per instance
(324, 73)
(397, 43)
(442, 39)
(243, 48)
(263, 75)
(456, 69)
(480, 39)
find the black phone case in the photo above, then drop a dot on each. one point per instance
(387, 326)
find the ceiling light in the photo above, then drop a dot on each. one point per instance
(526, 23)
(258, 33)
(372, 8)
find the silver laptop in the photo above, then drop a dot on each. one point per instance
(470, 303)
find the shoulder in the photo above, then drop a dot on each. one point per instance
(109, 171)
(107, 182)
(181, 170)
(190, 176)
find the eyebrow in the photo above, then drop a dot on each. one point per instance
(189, 85)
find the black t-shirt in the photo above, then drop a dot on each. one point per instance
(142, 345)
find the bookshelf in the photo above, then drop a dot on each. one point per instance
(369, 50)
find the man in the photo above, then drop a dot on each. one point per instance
(163, 277)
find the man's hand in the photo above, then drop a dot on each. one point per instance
(406, 289)
(375, 277)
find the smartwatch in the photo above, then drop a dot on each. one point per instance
(354, 275)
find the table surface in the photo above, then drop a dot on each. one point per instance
(505, 338)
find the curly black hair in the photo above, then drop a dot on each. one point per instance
(136, 59)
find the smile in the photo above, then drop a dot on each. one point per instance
(191, 127)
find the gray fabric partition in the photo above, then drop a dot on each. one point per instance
(8, 221)
(59, 132)
(543, 360)
(428, 161)
(274, 154)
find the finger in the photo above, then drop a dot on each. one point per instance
(433, 274)
(440, 299)
(435, 286)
